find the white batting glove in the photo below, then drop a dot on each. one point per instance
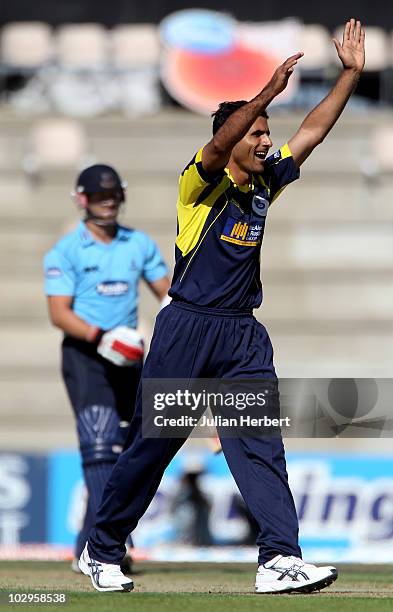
(122, 346)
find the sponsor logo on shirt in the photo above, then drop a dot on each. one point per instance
(91, 269)
(53, 273)
(112, 288)
(244, 234)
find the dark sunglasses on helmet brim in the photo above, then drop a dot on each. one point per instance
(103, 196)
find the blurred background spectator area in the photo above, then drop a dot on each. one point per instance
(85, 69)
(78, 93)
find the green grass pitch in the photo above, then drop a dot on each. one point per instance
(196, 587)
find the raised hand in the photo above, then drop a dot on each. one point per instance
(351, 51)
(280, 78)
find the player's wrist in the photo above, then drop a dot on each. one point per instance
(352, 71)
(94, 334)
(266, 96)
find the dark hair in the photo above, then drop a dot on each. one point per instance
(225, 110)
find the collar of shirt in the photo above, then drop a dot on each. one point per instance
(244, 188)
(87, 238)
(253, 185)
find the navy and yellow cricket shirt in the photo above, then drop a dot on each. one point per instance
(220, 231)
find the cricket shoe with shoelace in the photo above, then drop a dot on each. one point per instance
(104, 576)
(292, 575)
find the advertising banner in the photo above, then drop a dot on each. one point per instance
(344, 503)
(23, 498)
(66, 497)
(208, 57)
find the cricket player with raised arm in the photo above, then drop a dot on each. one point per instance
(208, 330)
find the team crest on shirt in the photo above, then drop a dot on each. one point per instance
(260, 205)
(242, 233)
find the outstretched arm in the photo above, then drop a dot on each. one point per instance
(217, 152)
(322, 118)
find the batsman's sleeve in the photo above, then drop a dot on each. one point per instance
(194, 180)
(154, 266)
(59, 274)
(282, 170)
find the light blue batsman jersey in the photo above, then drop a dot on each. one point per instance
(103, 278)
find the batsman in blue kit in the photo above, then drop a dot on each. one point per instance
(91, 282)
(209, 331)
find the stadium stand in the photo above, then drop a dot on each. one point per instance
(26, 49)
(117, 69)
(81, 46)
(317, 48)
(135, 46)
(326, 259)
(327, 252)
(135, 59)
(382, 148)
(25, 46)
(57, 143)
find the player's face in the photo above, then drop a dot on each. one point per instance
(251, 151)
(105, 205)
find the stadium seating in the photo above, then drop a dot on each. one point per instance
(117, 69)
(377, 49)
(327, 252)
(82, 46)
(135, 59)
(58, 143)
(54, 144)
(316, 44)
(326, 258)
(382, 149)
(135, 46)
(25, 46)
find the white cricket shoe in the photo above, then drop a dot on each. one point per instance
(292, 575)
(104, 576)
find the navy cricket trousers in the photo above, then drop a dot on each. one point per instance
(102, 396)
(193, 342)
